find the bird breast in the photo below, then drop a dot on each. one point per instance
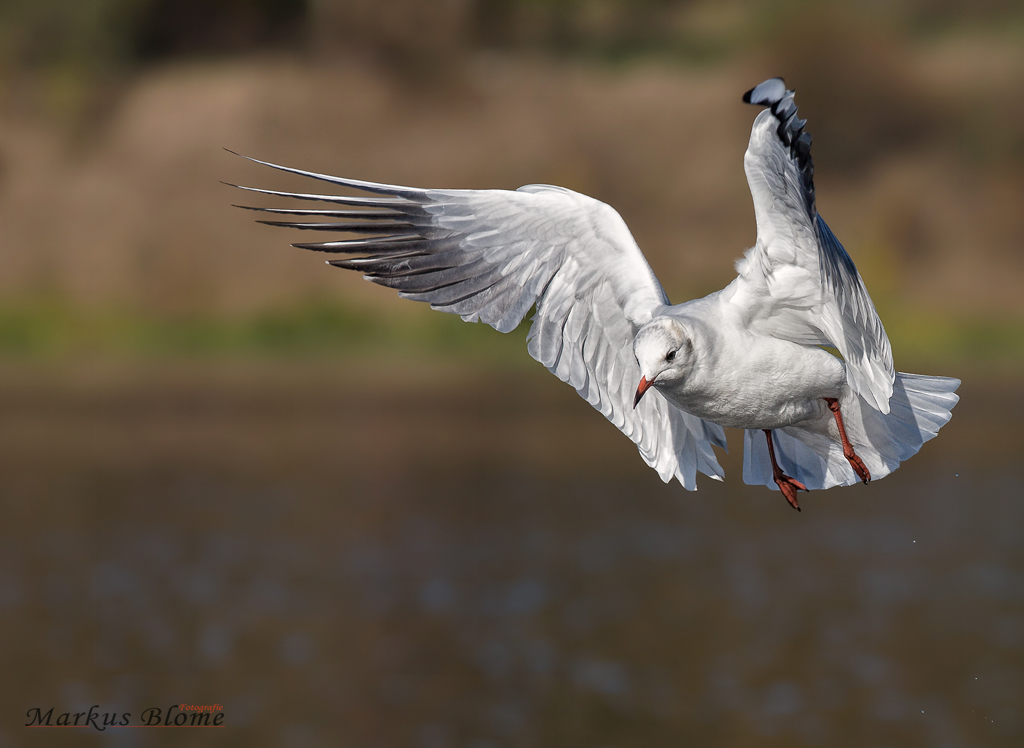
(751, 381)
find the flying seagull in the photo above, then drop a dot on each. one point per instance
(669, 377)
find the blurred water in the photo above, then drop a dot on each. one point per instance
(425, 565)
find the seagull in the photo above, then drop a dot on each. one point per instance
(792, 351)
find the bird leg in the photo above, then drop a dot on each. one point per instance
(855, 462)
(788, 486)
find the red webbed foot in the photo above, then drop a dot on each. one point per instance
(788, 486)
(855, 462)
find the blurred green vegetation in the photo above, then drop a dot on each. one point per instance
(326, 328)
(315, 327)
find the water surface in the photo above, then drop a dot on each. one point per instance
(347, 559)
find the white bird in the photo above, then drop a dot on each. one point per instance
(748, 356)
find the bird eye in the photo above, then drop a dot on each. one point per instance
(670, 355)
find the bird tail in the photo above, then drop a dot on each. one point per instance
(812, 453)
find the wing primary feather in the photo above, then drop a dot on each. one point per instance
(386, 244)
(411, 193)
(374, 202)
(415, 263)
(357, 228)
(370, 215)
(766, 93)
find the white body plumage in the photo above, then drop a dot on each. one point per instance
(733, 376)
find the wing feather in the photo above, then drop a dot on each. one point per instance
(800, 283)
(491, 255)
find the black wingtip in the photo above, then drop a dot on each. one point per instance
(766, 92)
(343, 264)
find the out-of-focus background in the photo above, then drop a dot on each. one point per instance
(229, 474)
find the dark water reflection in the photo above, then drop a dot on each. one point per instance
(428, 566)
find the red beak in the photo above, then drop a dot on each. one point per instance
(641, 389)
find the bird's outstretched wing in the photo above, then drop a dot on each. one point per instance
(491, 255)
(798, 281)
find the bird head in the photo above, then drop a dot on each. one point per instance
(664, 350)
